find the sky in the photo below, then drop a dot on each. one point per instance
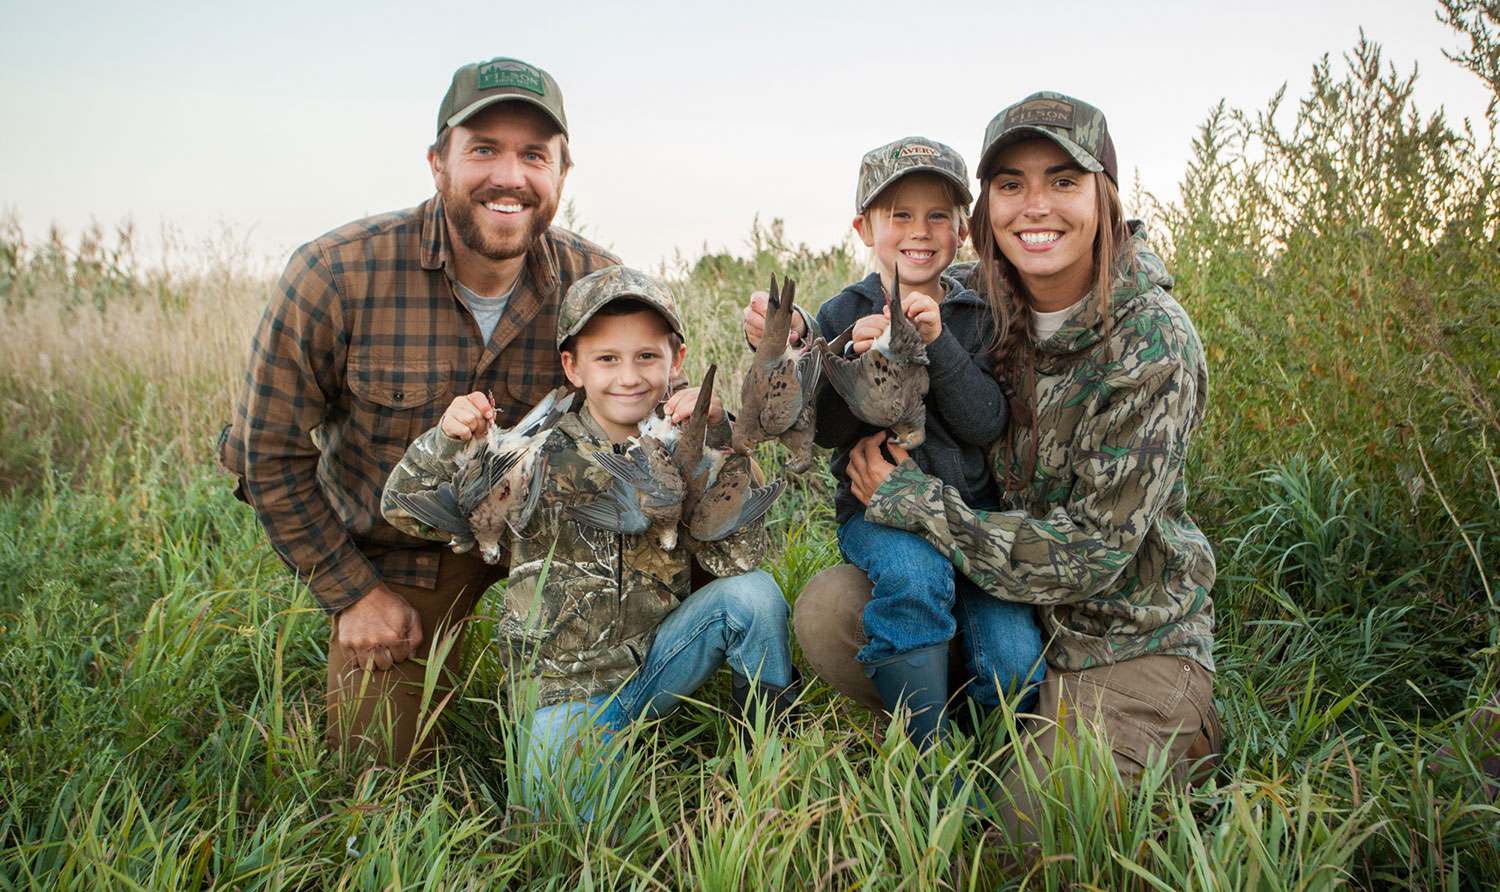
(276, 121)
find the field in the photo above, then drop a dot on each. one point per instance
(161, 674)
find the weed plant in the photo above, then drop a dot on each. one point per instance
(161, 676)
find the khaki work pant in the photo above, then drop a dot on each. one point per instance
(1144, 706)
(383, 709)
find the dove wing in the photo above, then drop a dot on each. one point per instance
(809, 366)
(615, 510)
(783, 398)
(438, 508)
(477, 479)
(863, 383)
(731, 504)
(634, 469)
(521, 516)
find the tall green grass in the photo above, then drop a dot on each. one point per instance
(161, 676)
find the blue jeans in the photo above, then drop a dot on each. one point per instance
(741, 620)
(919, 601)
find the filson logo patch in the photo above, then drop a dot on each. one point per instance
(511, 74)
(1046, 112)
(912, 148)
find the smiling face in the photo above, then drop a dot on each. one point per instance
(1045, 216)
(500, 179)
(915, 223)
(623, 364)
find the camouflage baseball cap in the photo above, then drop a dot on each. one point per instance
(913, 154)
(1075, 125)
(479, 85)
(595, 290)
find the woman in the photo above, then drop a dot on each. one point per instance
(1092, 530)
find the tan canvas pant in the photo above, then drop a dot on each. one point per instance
(384, 709)
(1145, 706)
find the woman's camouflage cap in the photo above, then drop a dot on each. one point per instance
(479, 85)
(1071, 123)
(595, 290)
(912, 154)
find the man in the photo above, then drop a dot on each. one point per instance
(370, 333)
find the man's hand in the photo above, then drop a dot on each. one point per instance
(868, 468)
(679, 406)
(468, 416)
(379, 630)
(755, 321)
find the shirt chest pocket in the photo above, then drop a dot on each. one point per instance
(393, 403)
(527, 383)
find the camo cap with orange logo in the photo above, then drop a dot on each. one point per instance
(1071, 123)
(913, 154)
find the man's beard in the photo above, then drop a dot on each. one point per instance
(463, 210)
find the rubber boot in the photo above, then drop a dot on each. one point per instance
(780, 703)
(918, 680)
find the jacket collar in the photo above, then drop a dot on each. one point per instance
(1134, 277)
(954, 291)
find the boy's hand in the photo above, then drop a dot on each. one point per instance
(868, 468)
(468, 416)
(755, 321)
(867, 329)
(924, 314)
(679, 406)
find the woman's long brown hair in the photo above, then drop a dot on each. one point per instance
(1012, 354)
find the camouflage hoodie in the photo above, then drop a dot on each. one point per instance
(1100, 538)
(582, 605)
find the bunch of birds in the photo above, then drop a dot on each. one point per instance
(496, 484)
(667, 480)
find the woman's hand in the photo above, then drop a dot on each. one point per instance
(868, 468)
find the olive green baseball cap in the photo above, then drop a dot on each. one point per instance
(613, 283)
(1071, 123)
(479, 85)
(912, 154)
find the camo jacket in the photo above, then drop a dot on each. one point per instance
(1099, 539)
(582, 605)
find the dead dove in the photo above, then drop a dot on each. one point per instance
(884, 386)
(730, 499)
(689, 450)
(721, 494)
(647, 489)
(491, 490)
(776, 400)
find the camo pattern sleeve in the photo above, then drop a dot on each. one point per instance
(1099, 538)
(431, 459)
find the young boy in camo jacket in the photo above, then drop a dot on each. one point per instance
(602, 621)
(911, 209)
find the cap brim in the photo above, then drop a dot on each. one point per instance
(1024, 132)
(950, 176)
(479, 105)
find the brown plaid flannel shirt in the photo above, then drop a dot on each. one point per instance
(363, 345)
